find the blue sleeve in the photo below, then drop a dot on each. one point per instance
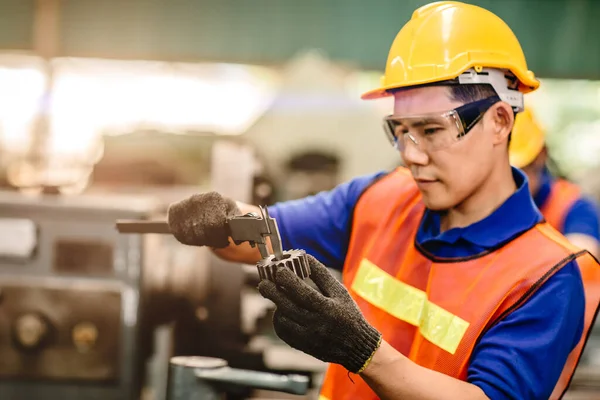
(583, 218)
(320, 224)
(523, 356)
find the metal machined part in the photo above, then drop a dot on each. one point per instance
(295, 260)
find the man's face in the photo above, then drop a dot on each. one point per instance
(446, 176)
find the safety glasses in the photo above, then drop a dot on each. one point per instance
(436, 131)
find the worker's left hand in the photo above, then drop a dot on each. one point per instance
(325, 323)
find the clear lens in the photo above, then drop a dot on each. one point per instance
(436, 131)
(430, 132)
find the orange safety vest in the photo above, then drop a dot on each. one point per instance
(434, 311)
(560, 200)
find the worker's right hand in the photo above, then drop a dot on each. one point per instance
(201, 219)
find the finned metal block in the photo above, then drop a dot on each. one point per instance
(295, 260)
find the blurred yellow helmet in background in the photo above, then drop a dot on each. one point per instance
(443, 40)
(527, 140)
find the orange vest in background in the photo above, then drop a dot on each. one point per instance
(563, 194)
(435, 311)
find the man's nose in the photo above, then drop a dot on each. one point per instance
(412, 153)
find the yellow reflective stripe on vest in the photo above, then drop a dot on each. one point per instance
(321, 397)
(409, 304)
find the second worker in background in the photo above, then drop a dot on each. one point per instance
(561, 202)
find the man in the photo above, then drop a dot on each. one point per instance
(454, 288)
(560, 201)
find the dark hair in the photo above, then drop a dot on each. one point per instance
(469, 93)
(463, 93)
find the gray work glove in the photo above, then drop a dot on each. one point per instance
(324, 323)
(201, 219)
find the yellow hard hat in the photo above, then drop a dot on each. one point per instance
(446, 38)
(527, 139)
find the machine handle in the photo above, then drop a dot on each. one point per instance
(198, 378)
(294, 384)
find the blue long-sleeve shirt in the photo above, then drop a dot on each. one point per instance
(522, 356)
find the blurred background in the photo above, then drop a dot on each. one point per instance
(115, 108)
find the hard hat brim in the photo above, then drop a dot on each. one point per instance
(527, 83)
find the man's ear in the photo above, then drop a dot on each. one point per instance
(502, 119)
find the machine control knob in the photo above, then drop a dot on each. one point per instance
(85, 336)
(30, 330)
(295, 260)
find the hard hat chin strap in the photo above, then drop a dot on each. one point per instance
(503, 82)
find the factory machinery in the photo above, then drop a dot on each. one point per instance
(71, 319)
(87, 312)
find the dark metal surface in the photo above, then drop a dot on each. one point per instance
(60, 333)
(212, 328)
(84, 257)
